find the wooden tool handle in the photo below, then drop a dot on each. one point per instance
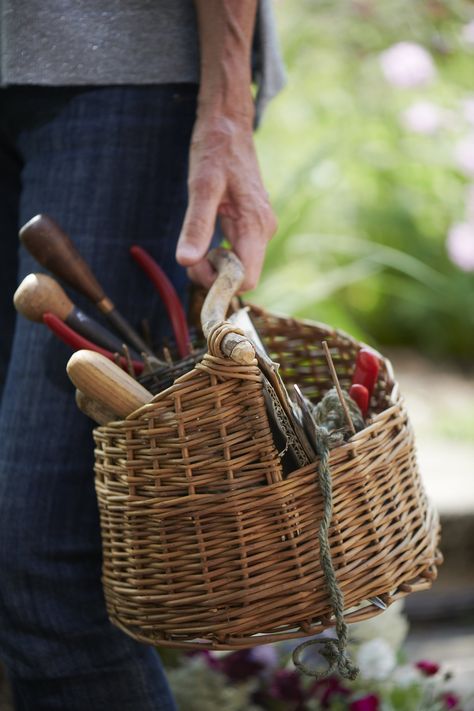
(93, 409)
(214, 310)
(39, 293)
(103, 381)
(53, 249)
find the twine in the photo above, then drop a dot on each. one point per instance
(329, 432)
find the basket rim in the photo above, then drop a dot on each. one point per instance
(393, 396)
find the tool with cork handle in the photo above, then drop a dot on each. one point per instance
(54, 250)
(39, 294)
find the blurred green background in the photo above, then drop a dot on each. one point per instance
(366, 185)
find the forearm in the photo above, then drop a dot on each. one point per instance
(225, 39)
(224, 178)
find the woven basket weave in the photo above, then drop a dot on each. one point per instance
(206, 544)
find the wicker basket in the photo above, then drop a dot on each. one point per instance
(207, 545)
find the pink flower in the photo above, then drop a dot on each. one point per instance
(427, 668)
(470, 204)
(468, 109)
(366, 703)
(464, 156)
(423, 117)
(407, 65)
(460, 246)
(468, 32)
(450, 700)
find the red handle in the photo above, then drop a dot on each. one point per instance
(78, 342)
(360, 395)
(169, 297)
(366, 369)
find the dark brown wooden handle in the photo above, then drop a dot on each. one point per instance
(53, 249)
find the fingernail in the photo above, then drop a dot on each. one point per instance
(187, 251)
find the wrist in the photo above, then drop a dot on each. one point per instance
(235, 107)
(225, 90)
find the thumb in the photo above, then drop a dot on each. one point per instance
(198, 227)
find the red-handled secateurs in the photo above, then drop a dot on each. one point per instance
(78, 342)
(169, 297)
(364, 378)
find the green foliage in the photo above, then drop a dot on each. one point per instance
(364, 204)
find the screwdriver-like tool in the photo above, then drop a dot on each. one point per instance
(53, 249)
(40, 293)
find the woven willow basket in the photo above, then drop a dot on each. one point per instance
(206, 544)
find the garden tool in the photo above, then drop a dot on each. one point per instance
(68, 336)
(366, 370)
(104, 382)
(169, 297)
(93, 409)
(360, 395)
(53, 249)
(365, 376)
(39, 293)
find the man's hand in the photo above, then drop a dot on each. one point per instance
(224, 178)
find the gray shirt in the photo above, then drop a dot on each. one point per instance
(74, 42)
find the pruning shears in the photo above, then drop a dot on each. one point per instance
(169, 297)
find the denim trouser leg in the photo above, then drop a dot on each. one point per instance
(109, 164)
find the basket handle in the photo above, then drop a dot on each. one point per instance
(224, 338)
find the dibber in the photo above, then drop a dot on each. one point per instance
(54, 249)
(103, 381)
(94, 409)
(39, 293)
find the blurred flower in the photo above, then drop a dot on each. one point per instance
(427, 668)
(240, 665)
(405, 675)
(367, 703)
(450, 700)
(423, 117)
(198, 687)
(467, 32)
(286, 686)
(266, 654)
(468, 109)
(460, 245)
(210, 658)
(376, 659)
(326, 690)
(470, 204)
(407, 65)
(464, 156)
(391, 625)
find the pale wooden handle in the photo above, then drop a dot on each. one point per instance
(100, 379)
(39, 293)
(93, 409)
(230, 277)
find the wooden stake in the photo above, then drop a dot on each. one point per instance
(337, 385)
(128, 358)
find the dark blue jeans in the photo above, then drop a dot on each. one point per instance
(110, 165)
